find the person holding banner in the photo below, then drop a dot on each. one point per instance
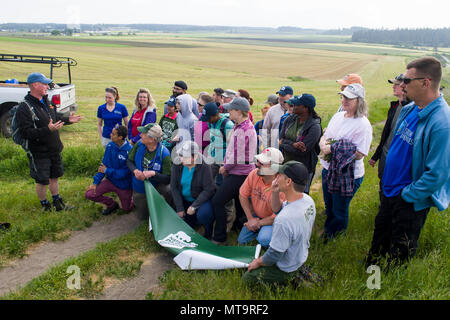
(149, 159)
(192, 188)
(292, 229)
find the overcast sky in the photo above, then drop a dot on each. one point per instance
(320, 14)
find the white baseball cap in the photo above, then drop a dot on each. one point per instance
(270, 155)
(353, 90)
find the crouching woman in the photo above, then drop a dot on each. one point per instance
(193, 187)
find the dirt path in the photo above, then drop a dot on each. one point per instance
(49, 254)
(146, 281)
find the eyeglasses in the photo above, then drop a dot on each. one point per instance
(408, 80)
(200, 105)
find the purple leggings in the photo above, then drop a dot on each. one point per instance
(105, 186)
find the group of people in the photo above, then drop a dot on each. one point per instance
(209, 160)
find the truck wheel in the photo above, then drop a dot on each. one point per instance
(5, 124)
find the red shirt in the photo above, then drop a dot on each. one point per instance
(136, 121)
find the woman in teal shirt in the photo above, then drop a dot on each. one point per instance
(192, 187)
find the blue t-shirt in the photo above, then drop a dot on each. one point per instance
(111, 118)
(186, 179)
(397, 172)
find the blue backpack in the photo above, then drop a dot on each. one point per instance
(15, 133)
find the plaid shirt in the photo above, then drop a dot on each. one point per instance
(341, 173)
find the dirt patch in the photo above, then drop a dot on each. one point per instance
(147, 280)
(48, 254)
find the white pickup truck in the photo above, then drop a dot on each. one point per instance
(12, 92)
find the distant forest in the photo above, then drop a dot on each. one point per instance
(405, 37)
(400, 37)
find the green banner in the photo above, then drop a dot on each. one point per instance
(191, 249)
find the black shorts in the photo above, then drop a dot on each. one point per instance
(43, 169)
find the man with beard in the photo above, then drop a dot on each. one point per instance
(180, 87)
(255, 196)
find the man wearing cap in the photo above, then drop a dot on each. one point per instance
(292, 227)
(179, 88)
(388, 130)
(300, 134)
(168, 124)
(272, 119)
(348, 79)
(218, 98)
(149, 159)
(255, 197)
(228, 95)
(42, 133)
(416, 175)
(219, 127)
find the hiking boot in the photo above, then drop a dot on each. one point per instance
(306, 276)
(47, 207)
(5, 226)
(60, 205)
(110, 210)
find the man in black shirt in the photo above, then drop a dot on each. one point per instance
(42, 132)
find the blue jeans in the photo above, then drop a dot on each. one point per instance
(263, 236)
(203, 216)
(336, 207)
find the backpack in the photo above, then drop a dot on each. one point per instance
(222, 128)
(15, 133)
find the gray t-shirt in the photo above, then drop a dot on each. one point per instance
(291, 232)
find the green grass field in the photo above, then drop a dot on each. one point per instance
(205, 62)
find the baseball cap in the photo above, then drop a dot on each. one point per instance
(285, 90)
(305, 99)
(210, 109)
(350, 78)
(273, 98)
(353, 91)
(219, 91)
(238, 103)
(397, 80)
(38, 77)
(171, 102)
(294, 170)
(272, 155)
(229, 93)
(151, 129)
(181, 84)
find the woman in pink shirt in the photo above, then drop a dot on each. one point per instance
(238, 163)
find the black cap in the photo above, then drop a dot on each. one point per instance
(210, 109)
(219, 91)
(181, 84)
(294, 170)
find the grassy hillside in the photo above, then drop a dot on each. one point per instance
(260, 67)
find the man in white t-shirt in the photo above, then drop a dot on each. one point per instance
(292, 228)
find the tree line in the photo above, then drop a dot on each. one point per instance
(405, 37)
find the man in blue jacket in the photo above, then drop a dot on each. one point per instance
(416, 175)
(113, 175)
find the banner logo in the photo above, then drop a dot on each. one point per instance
(179, 240)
